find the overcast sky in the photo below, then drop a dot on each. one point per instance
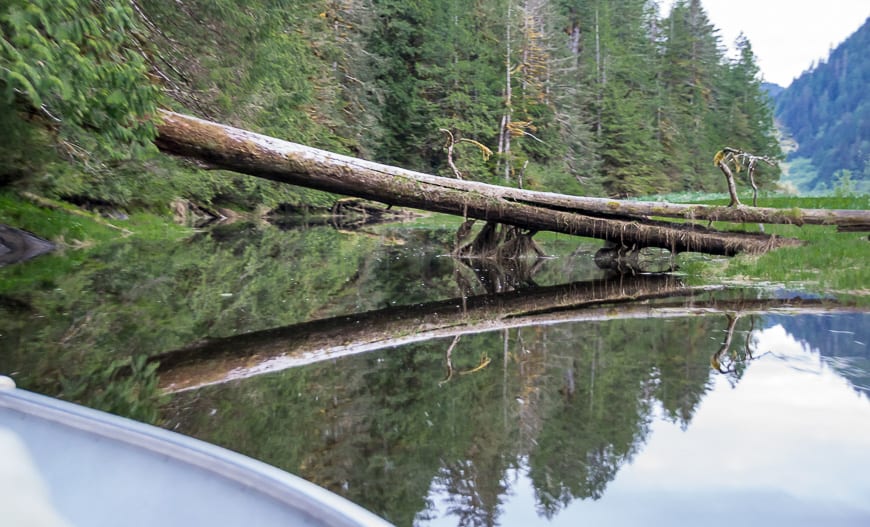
(786, 35)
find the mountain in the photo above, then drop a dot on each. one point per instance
(772, 89)
(827, 112)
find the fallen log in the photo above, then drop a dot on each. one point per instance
(229, 148)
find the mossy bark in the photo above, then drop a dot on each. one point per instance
(267, 157)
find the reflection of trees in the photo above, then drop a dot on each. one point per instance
(587, 437)
(136, 298)
(570, 401)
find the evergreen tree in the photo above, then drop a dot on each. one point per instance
(745, 116)
(631, 156)
(438, 68)
(827, 111)
(78, 67)
(691, 71)
(571, 92)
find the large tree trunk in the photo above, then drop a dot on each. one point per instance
(242, 151)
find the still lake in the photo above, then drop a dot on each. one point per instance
(439, 392)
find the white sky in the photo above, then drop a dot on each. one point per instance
(786, 35)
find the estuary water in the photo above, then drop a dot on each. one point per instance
(435, 391)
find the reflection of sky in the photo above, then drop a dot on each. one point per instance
(790, 444)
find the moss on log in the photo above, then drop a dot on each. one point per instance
(258, 155)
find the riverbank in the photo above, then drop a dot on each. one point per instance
(830, 263)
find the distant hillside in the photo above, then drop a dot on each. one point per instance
(772, 90)
(827, 112)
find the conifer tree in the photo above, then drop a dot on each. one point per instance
(745, 116)
(691, 70)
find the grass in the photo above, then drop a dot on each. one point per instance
(68, 225)
(75, 232)
(831, 262)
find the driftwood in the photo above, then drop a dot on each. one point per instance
(242, 151)
(218, 361)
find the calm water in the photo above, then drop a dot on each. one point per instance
(435, 392)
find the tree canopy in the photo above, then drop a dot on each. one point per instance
(827, 112)
(586, 97)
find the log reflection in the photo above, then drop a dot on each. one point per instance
(222, 360)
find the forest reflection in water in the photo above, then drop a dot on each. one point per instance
(534, 422)
(431, 390)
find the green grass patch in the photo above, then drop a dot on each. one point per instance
(59, 224)
(72, 226)
(75, 232)
(830, 262)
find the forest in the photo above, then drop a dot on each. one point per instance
(827, 113)
(585, 97)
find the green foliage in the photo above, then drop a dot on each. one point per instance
(827, 111)
(127, 389)
(77, 65)
(58, 225)
(604, 98)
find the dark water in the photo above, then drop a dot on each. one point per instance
(436, 392)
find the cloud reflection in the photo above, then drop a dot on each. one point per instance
(789, 444)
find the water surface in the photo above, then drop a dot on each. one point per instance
(440, 392)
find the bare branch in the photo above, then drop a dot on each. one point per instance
(450, 144)
(739, 158)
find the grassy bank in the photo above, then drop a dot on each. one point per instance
(830, 262)
(75, 232)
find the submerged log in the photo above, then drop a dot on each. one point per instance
(258, 155)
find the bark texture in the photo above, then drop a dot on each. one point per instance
(258, 155)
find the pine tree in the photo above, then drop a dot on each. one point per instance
(745, 116)
(625, 58)
(691, 72)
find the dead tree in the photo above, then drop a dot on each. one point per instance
(230, 148)
(739, 158)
